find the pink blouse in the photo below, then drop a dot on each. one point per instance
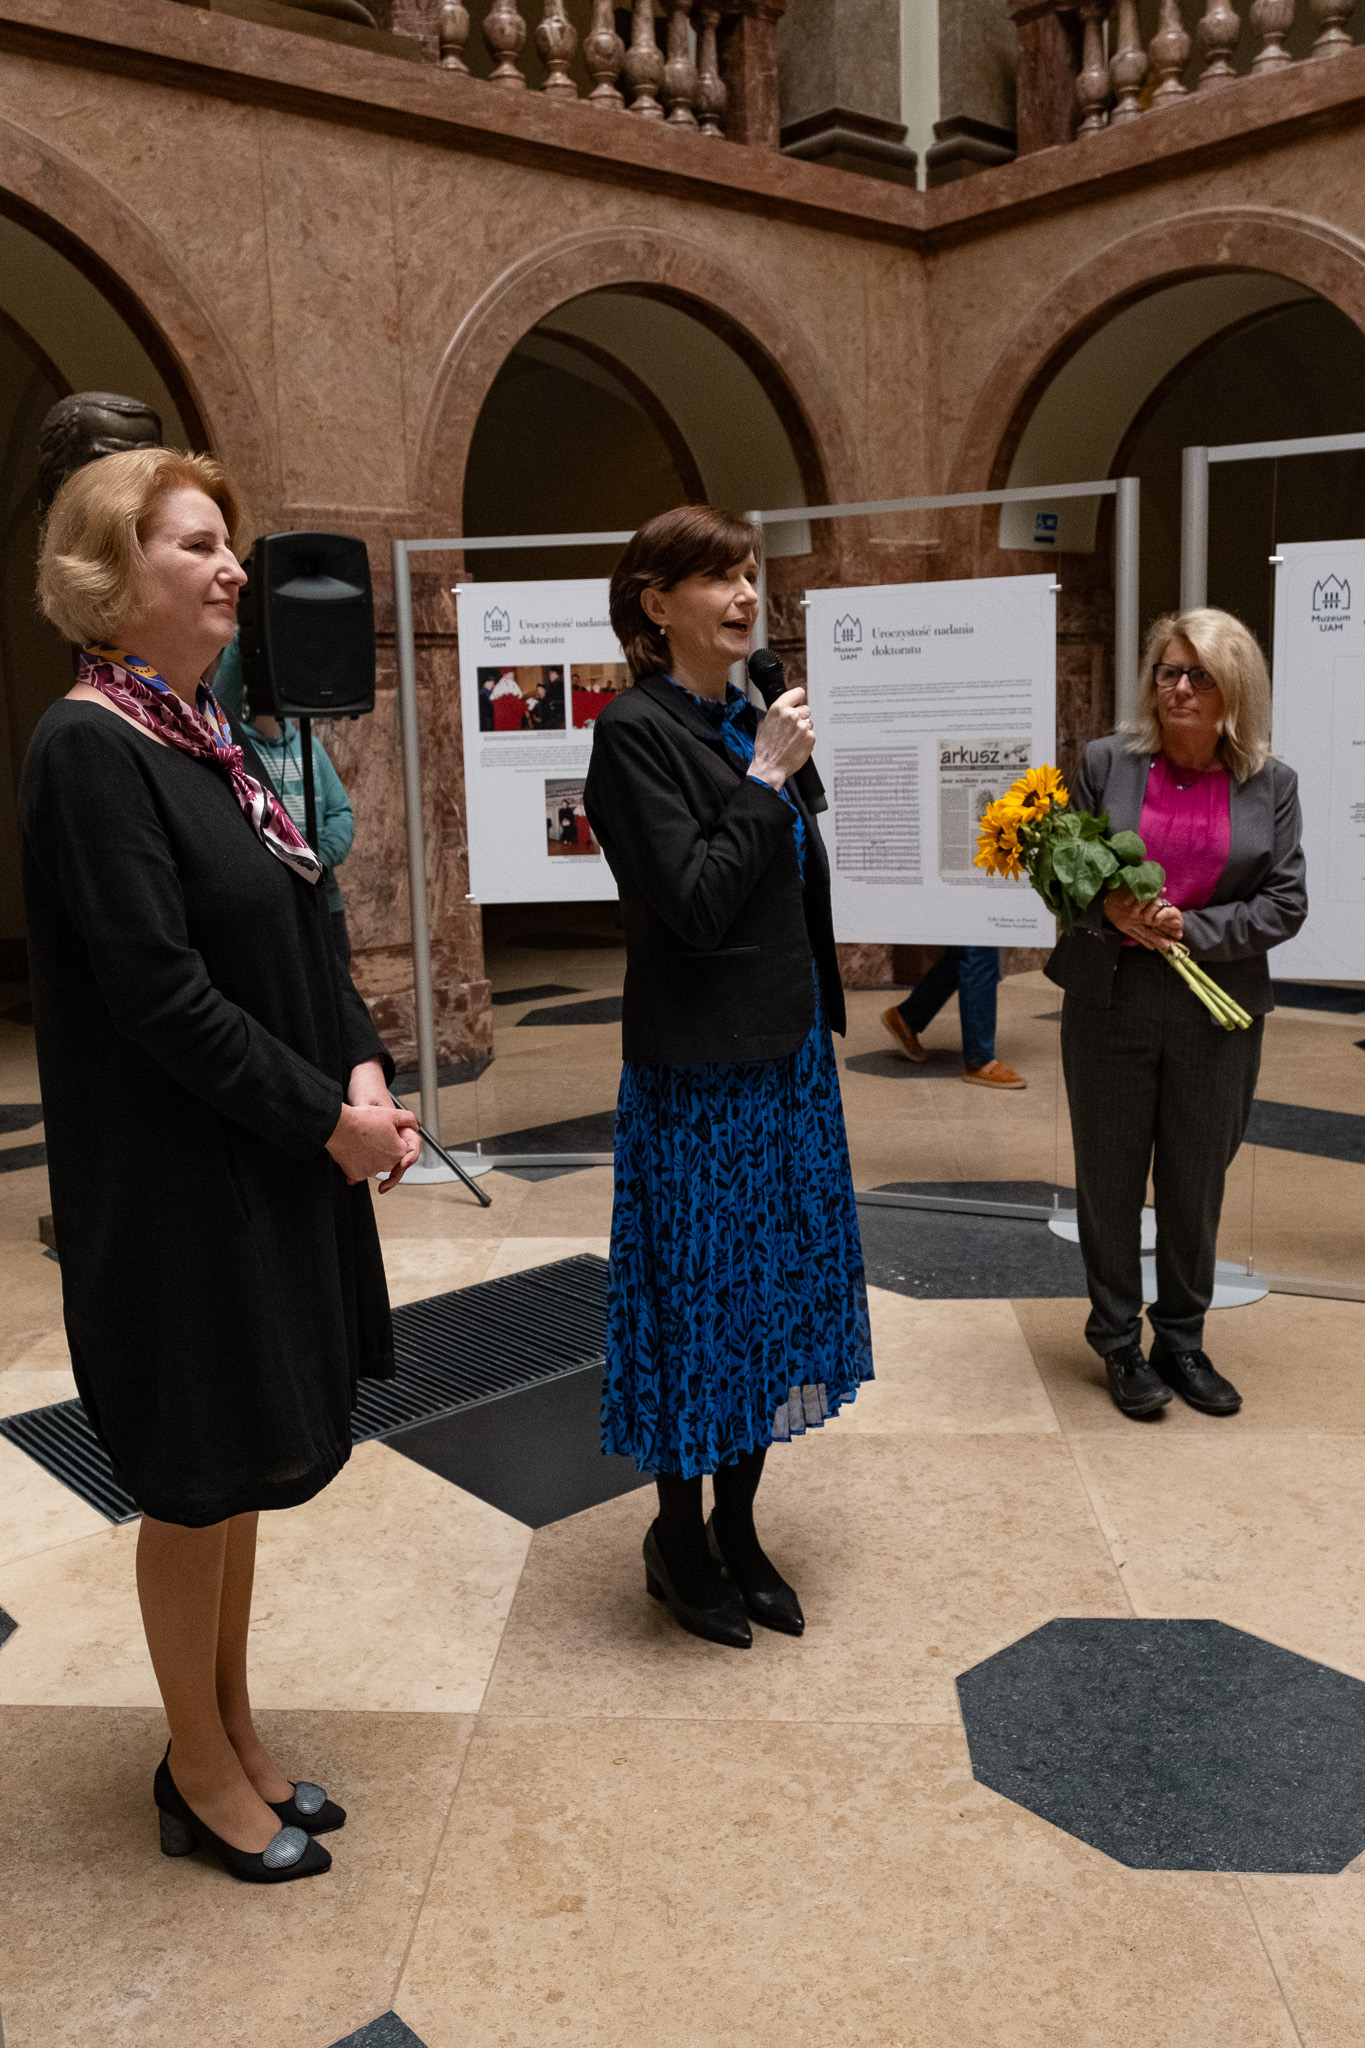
(1186, 824)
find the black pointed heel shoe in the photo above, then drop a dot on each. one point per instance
(291, 1854)
(723, 1623)
(767, 1597)
(309, 1809)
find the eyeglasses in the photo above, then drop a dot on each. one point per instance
(1167, 675)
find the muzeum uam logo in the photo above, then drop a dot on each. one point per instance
(497, 626)
(1331, 600)
(848, 634)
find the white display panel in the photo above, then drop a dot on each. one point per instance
(538, 661)
(928, 700)
(1319, 730)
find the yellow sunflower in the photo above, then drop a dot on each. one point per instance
(998, 849)
(1038, 789)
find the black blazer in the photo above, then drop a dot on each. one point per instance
(1261, 898)
(720, 934)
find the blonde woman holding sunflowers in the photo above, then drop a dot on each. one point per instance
(1154, 1085)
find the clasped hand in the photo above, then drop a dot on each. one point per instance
(785, 739)
(373, 1134)
(1157, 925)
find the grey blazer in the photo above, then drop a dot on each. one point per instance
(1261, 898)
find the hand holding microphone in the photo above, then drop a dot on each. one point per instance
(786, 735)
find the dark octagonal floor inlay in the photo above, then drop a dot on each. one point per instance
(386, 2032)
(1175, 1745)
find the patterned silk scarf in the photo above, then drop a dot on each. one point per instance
(138, 691)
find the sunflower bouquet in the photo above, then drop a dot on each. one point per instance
(1069, 856)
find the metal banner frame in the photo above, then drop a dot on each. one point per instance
(1194, 497)
(1124, 490)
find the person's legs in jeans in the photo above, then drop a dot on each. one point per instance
(932, 990)
(978, 977)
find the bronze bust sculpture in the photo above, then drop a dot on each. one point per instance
(81, 428)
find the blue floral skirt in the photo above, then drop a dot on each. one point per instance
(736, 1304)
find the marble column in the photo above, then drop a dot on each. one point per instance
(1049, 59)
(841, 87)
(978, 52)
(748, 65)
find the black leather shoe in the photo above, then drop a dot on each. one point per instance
(768, 1599)
(1136, 1387)
(289, 1855)
(309, 1809)
(1194, 1379)
(723, 1623)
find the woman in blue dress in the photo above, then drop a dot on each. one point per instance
(737, 1306)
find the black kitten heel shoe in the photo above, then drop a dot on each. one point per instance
(768, 1599)
(309, 1809)
(291, 1854)
(723, 1623)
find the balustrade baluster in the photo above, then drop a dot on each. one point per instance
(711, 94)
(1216, 37)
(1128, 65)
(1271, 21)
(644, 63)
(1092, 81)
(680, 73)
(1169, 50)
(504, 31)
(1333, 38)
(452, 34)
(557, 40)
(604, 53)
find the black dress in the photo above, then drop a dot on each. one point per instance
(222, 1286)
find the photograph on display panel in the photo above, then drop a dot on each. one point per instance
(567, 830)
(521, 699)
(593, 684)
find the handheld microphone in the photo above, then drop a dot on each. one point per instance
(769, 678)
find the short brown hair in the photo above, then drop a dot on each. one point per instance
(1231, 655)
(689, 541)
(90, 562)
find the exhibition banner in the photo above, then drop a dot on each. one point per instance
(928, 700)
(1319, 729)
(538, 662)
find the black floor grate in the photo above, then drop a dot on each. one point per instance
(453, 1351)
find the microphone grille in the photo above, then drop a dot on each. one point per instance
(767, 673)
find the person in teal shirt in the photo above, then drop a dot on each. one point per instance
(281, 755)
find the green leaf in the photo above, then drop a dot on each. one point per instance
(1081, 865)
(1143, 882)
(1092, 827)
(1129, 849)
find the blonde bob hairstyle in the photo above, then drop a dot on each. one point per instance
(90, 562)
(1228, 651)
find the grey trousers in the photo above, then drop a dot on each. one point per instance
(1153, 1084)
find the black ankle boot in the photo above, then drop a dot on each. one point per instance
(768, 1599)
(720, 1621)
(291, 1854)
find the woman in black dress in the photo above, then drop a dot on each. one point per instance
(215, 1098)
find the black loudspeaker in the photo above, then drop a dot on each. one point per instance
(306, 624)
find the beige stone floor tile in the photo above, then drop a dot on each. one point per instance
(37, 1512)
(517, 1254)
(1262, 1532)
(914, 1558)
(1314, 1933)
(416, 1267)
(741, 1886)
(31, 1385)
(948, 1367)
(386, 1592)
(109, 1942)
(1296, 1361)
(30, 1291)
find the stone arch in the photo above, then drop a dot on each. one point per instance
(666, 266)
(1311, 253)
(57, 199)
